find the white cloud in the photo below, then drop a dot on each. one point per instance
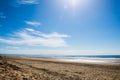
(33, 23)
(55, 35)
(32, 37)
(27, 2)
(29, 29)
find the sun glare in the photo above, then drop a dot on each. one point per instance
(76, 3)
(73, 2)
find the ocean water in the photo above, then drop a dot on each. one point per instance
(99, 59)
(111, 59)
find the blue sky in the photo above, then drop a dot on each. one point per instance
(60, 26)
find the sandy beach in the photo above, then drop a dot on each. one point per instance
(16, 68)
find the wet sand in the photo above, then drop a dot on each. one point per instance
(16, 68)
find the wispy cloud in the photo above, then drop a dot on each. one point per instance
(32, 37)
(27, 1)
(2, 16)
(17, 3)
(11, 47)
(33, 23)
(55, 35)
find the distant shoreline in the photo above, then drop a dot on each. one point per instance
(86, 60)
(58, 60)
(45, 56)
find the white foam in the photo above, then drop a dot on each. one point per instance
(91, 60)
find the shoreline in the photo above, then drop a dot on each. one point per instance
(104, 61)
(57, 61)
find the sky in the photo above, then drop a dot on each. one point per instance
(61, 27)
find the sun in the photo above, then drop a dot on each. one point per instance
(80, 3)
(73, 3)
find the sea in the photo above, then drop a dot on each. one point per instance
(96, 59)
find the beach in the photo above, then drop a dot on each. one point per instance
(21, 68)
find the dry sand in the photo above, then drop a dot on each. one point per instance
(16, 68)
